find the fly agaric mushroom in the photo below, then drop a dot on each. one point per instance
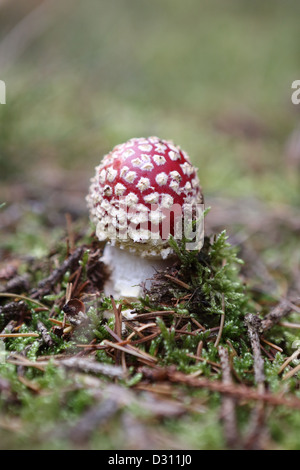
(131, 201)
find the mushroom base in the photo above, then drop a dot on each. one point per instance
(129, 272)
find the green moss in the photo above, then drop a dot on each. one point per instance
(216, 289)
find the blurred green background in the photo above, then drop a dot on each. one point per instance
(214, 76)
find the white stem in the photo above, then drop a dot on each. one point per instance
(128, 271)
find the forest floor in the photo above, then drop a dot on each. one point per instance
(210, 360)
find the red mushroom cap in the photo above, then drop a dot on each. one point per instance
(134, 188)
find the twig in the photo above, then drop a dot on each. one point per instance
(267, 353)
(58, 322)
(15, 311)
(221, 323)
(9, 327)
(288, 360)
(28, 383)
(239, 391)
(118, 317)
(254, 325)
(274, 346)
(141, 328)
(199, 350)
(201, 327)
(228, 410)
(145, 339)
(253, 440)
(90, 366)
(48, 341)
(46, 285)
(190, 333)
(17, 284)
(150, 315)
(133, 351)
(70, 232)
(289, 325)
(69, 289)
(20, 360)
(75, 279)
(292, 372)
(257, 428)
(277, 313)
(178, 281)
(18, 335)
(23, 297)
(203, 359)
(113, 334)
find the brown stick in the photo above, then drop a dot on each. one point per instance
(228, 409)
(118, 327)
(18, 335)
(239, 391)
(221, 323)
(178, 282)
(253, 440)
(277, 313)
(254, 326)
(46, 285)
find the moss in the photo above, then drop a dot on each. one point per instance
(215, 289)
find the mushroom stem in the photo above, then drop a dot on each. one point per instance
(129, 272)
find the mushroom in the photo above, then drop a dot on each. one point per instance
(136, 199)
